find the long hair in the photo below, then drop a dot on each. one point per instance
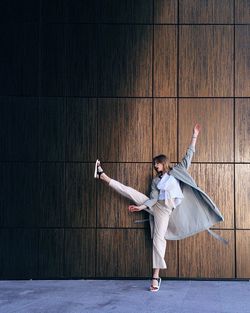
(164, 160)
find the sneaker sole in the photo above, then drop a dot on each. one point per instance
(95, 172)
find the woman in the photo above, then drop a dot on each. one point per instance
(178, 207)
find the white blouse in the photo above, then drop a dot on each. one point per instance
(170, 189)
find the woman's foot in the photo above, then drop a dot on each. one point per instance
(155, 284)
(98, 169)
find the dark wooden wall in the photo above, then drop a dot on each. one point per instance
(121, 81)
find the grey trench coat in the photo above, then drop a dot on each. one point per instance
(196, 213)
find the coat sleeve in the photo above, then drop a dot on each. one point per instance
(186, 161)
(153, 198)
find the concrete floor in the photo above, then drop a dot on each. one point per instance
(73, 296)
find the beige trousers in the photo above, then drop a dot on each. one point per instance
(161, 215)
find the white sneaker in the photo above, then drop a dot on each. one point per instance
(98, 170)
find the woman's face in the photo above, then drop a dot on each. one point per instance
(158, 167)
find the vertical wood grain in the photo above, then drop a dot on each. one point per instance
(206, 11)
(51, 253)
(215, 142)
(18, 253)
(217, 180)
(203, 256)
(125, 130)
(206, 61)
(242, 11)
(242, 130)
(19, 201)
(52, 130)
(81, 129)
(165, 11)
(19, 129)
(242, 194)
(80, 253)
(165, 61)
(165, 128)
(242, 66)
(80, 195)
(112, 208)
(126, 253)
(52, 195)
(243, 253)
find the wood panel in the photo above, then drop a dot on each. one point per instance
(165, 11)
(80, 253)
(213, 178)
(19, 59)
(19, 194)
(164, 132)
(242, 67)
(171, 258)
(18, 253)
(243, 253)
(51, 253)
(165, 61)
(242, 130)
(80, 195)
(112, 208)
(215, 142)
(52, 133)
(109, 60)
(94, 11)
(52, 60)
(202, 256)
(52, 195)
(81, 129)
(19, 128)
(126, 253)
(242, 195)
(206, 61)
(206, 11)
(19, 11)
(242, 11)
(125, 130)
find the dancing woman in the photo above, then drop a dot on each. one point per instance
(178, 207)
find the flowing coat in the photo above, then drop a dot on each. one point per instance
(196, 213)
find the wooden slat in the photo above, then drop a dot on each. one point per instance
(242, 194)
(19, 59)
(80, 195)
(165, 11)
(109, 60)
(215, 142)
(212, 178)
(164, 131)
(202, 256)
(80, 253)
(242, 11)
(19, 194)
(112, 208)
(206, 61)
(165, 61)
(243, 253)
(123, 253)
(125, 130)
(206, 11)
(51, 255)
(19, 128)
(242, 51)
(52, 195)
(52, 133)
(52, 60)
(18, 253)
(242, 130)
(81, 129)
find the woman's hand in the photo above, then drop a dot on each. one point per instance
(196, 130)
(135, 208)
